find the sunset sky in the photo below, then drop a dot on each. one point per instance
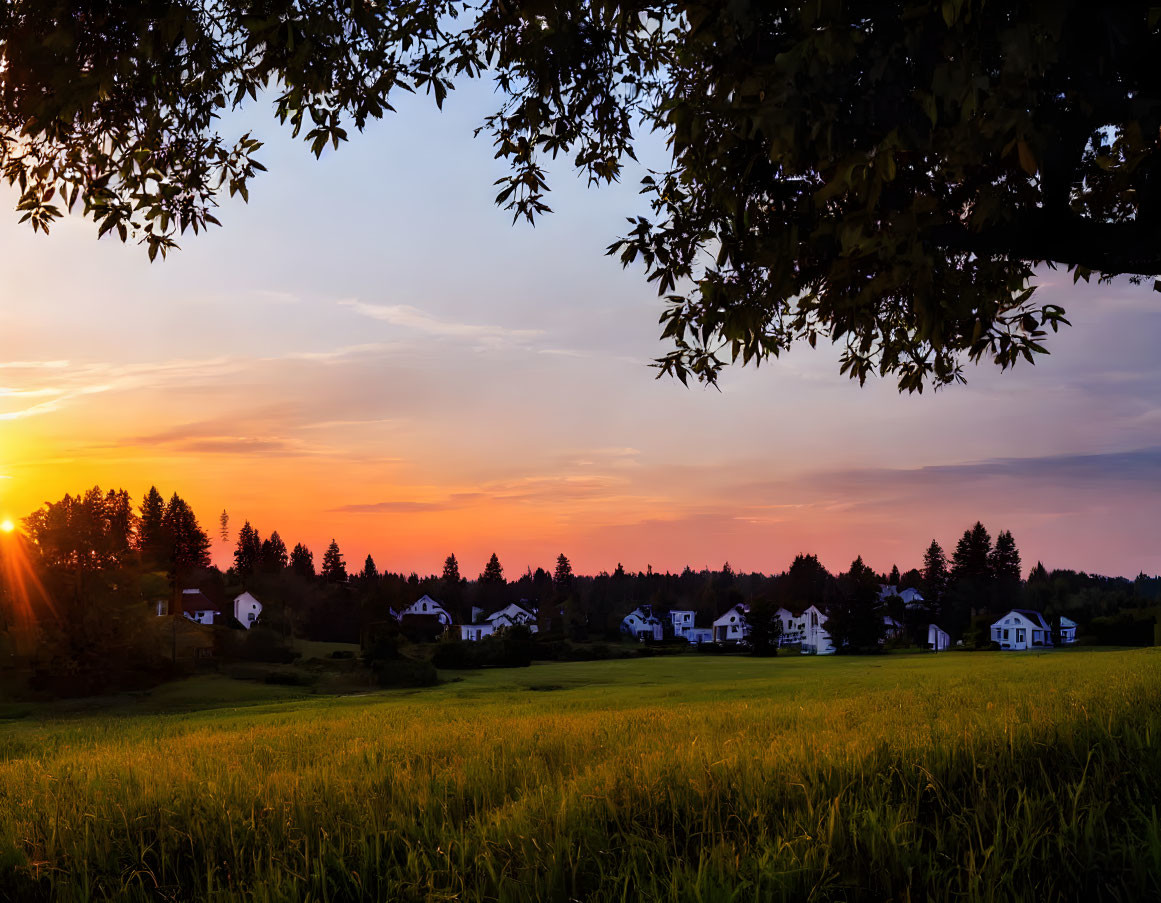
(371, 351)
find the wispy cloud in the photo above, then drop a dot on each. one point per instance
(412, 318)
(407, 506)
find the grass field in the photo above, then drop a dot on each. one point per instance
(957, 777)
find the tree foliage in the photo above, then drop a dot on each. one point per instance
(935, 575)
(85, 533)
(248, 552)
(187, 543)
(885, 176)
(334, 568)
(493, 572)
(273, 557)
(302, 561)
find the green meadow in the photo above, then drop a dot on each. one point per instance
(983, 776)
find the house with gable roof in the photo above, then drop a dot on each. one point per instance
(1022, 628)
(427, 607)
(732, 626)
(642, 624)
(507, 616)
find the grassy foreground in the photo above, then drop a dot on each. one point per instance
(965, 777)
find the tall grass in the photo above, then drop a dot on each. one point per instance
(960, 777)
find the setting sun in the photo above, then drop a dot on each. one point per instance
(7, 526)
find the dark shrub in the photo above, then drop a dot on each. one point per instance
(455, 655)
(261, 645)
(287, 679)
(404, 672)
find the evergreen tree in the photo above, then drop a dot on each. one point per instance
(855, 619)
(493, 573)
(806, 582)
(189, 546)
(248, 551)
(935, 576)
(451, 570)
(893, 578)
(562, 576)
(973, 555)
(369, 572)
(224, 526)
(1005, 566)
(334, 569)
(452, 588)
(971, 587)
(302, 561)
(151, 541)
(765, 626)
(273, 557)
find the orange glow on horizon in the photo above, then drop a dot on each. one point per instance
(20, 588)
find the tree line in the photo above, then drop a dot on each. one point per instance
(102, 564)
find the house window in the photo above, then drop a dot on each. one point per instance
(1019, 634)
(250, 617)
(1005, 632)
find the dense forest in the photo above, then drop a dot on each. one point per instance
(83, 579)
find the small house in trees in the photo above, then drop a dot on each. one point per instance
(477, 630)
(792, 627)
(1021, 628)
(685, 627)
(425, 606)
(514, 614)
(1066, 630)
(683, 623)
(246, 610)
(642, 625)
(937, 638)
(912, 598)
(196, 606)
(815, 638)
(732, 626)
(507, 616)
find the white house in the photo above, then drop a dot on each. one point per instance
(682, 621)
(937, 638)
(912, 598)
(476, 631)
(505, 617)
(815, 639)
(1022, 629)
(513, 614)
(1067, 628)
(699, 635)
(732, 627)
(891, 627)
(197, 607)
(246, 610)
(642, 625)
(425, 605)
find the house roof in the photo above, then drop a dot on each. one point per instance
(196, 600)
(1034, 616)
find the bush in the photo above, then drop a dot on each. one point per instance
(404, 672)
(258, 644)
(455, 655)
(287, 679)
(511, 647)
